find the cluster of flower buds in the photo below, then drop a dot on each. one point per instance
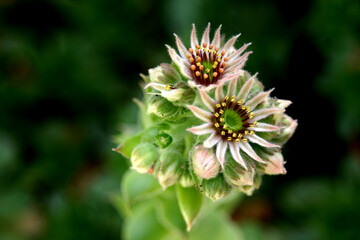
(207, 123)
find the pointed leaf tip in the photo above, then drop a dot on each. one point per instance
(190, 201)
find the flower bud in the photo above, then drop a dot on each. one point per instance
(238, 176)
(143, 157)
(216, 188)
(280, 104)
(165, 74)
(171, 168)
(179, 93)
(289, 125)
(186, 180)
(249, 190)
(204, 162)
(161, 107)
(275, 164)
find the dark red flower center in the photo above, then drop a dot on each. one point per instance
(207, 64)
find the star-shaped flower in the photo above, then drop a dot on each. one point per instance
(206, 64)
(234, 120)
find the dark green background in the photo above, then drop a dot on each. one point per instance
(69, 71)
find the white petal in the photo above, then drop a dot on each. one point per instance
(216, 41)
(239, 61)
(235, 152)
(208, 88)
(192, 84)
(232, 86)
(180, 62)
(202, 129)
(264, 127)
(175, 57)
(258, 140)
(260, 97)
(182, 50)
(263, 113)
(229, 44)
(283, 103)
(234, 55)
(206, 37)
(219, 94)
(208, 101)
(194, 40)
(220, 152)
(246, 88)
(201, 114)
(212, 140)
(156, 86)
(173, 95)
(249, 151)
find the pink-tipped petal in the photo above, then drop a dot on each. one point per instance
(216, 40)
(237, 53)
(182, 49)
(264, 127)
(202, 129)
(235, 152)
(259, 98)
(236, 62)
(283, 103)
(219, 94)
(258, 140)
(263, 113)
(229, 44)
(194, 40)
(208, 88)
(208, 101)
(212, 140)
(220, 152)
(206, 36)
(235, 69)
(181, 63)
(246, 88)
(250, 151)
(232, 86)
(201, 114)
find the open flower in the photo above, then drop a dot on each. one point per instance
(234, 121)
(206, 64)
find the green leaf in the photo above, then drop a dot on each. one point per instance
(120, 205)
(144, 225)
(126, 148)
(168, 210)
(136, 187)
(216, 226)
(145, 136)
(190, 201)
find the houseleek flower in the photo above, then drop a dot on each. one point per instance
(208, 63)
(234, 120)
(206, 123)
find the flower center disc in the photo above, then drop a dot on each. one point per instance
(207, 63)
(233, 120)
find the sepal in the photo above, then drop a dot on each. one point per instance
(171, 168)
(216, 188)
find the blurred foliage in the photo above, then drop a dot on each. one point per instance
(68, 71)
